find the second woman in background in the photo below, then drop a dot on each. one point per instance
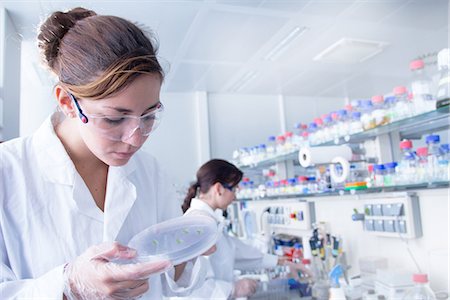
(217, 181)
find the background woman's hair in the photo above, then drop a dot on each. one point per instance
(213, 171)
(96, 56)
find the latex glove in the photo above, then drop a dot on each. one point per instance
(94, 275)
(244, 287)
(294, 268)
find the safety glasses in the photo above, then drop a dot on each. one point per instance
(121, 127)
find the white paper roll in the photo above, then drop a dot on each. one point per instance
(308, 156)
(339, 178)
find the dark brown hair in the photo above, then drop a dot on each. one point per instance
(213, 171)
(96, 56)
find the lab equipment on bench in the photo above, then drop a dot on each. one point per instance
(178, 240)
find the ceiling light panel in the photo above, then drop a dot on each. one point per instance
(231, 37)
(350, 51)
(285, 43)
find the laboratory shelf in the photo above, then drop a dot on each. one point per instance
(397, 188)
(271, 161)
(409, 128)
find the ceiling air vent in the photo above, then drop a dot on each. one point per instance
(350, 51)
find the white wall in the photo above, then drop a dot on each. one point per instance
(10, 43)
(176, 142)
(431, 250)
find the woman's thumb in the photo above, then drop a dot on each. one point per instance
(111, 251)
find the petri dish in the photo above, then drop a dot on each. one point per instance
(178, 240)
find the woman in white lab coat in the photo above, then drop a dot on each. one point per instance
(214, 190)
(74, 193)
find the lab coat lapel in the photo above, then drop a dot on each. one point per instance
(120, 197)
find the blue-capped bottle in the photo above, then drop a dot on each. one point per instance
(434, 154)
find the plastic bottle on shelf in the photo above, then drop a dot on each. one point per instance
(421, 88)
(271, 146)
(319, 136)
(379, 114)
(434, 155)
(390, 177)
(328, 126)
(280, 145)
(421, 289)
(262, 153)
(422, 165)
(343, 124)
(292, 182)
(444, 162)
(366, 115)
(355, 123)
(443, 90)
(269, 188)
(403, 106)
(380, 171)
(312, 133)
(303, 184)
(390, 102)
(313, 187)
(407, 166)
(370, 180)
(289, 141)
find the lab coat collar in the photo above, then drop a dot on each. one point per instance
(57, 167)
(51, 156)
(201, 205)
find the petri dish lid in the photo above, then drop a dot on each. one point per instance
(178, 240)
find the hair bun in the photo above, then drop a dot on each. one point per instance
(52, 31)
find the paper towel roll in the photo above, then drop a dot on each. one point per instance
(308, 156)
(341, 177)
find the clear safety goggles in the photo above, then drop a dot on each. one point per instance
(121, 127)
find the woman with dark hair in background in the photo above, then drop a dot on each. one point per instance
(214, 190)
(74, 193)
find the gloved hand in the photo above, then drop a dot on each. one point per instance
(294, 268)
(244, 287)
(94, 275)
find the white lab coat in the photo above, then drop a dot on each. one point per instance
(49, 217)
(231, 254)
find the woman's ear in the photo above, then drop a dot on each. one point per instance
(65, 103)
(218, 188)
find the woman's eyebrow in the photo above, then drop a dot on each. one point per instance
(126, 110)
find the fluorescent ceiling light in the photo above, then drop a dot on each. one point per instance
(244, 80)
(284, 44)
(350, 51)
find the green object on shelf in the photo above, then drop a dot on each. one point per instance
(349, 188)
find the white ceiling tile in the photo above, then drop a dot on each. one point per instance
(330, 8)
(373, 11)
(284, 5)
(246, 3)
(312, 82)
(231, 37)
(424, 15)
(216, 78)
(187, 75)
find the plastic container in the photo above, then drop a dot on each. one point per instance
(178, 240)
(434, 154)
(407, 166)
(403, 108)
(367, 119)
(443, 90)
(390, 102)
(421, 289)
(271, 146)
(444, 162)
(421, 88)
(379, 113)
(422, 165)
(390, 177)
(355, 125)
(380, 171)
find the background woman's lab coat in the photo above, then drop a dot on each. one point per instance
(49, 217)
(231, 254)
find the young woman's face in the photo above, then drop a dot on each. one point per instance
(228, 195)
(138, 99)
